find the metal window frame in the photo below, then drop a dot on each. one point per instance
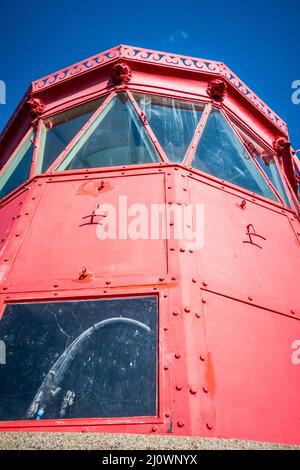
(162, 403)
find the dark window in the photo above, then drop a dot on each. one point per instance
(220, 153)
(117, 137)
(18, 170)
(267, 162)
(95, 358)
(59, 130)
(173, 122)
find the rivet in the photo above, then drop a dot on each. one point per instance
(175, 313)
(193, 390)
(165, 328)
(191, 251)
(202, 358)
(292, 312)
(165, 296)
(198, 315)
(172, 249)
(194, 280)
(107, 283)
(17, 235)
(203, 301)
(161, 279)
(187, 309)
(173, 278)
(55, 285)
(178, 387)
(250, 298)
(177, 355)
(167, 415)
(166, 367)
(209, 426)
(154, 428)
(6, 259)
(204, 284)
(180, 423)
(205, 389)
(182, 250)
(4, 288)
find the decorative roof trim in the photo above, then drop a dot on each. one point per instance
(164, 59)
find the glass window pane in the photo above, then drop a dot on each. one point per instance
(267, 162)
(220, 153)
(60, 130)
(79, 359)
(18, 170)
(116, 137)
(173, 122)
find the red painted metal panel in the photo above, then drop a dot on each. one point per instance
(68, 241)
(264, 270)
(252, 381)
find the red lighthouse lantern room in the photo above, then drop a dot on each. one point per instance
(108, 326)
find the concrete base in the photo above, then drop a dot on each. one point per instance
(93, 441)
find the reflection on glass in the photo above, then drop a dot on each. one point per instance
(267, 162)
(79, 359)
(18, 170)
(173, 122)
(220, 153)
(59, 130)
(116, 137)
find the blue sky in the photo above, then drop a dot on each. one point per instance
(259, 40)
